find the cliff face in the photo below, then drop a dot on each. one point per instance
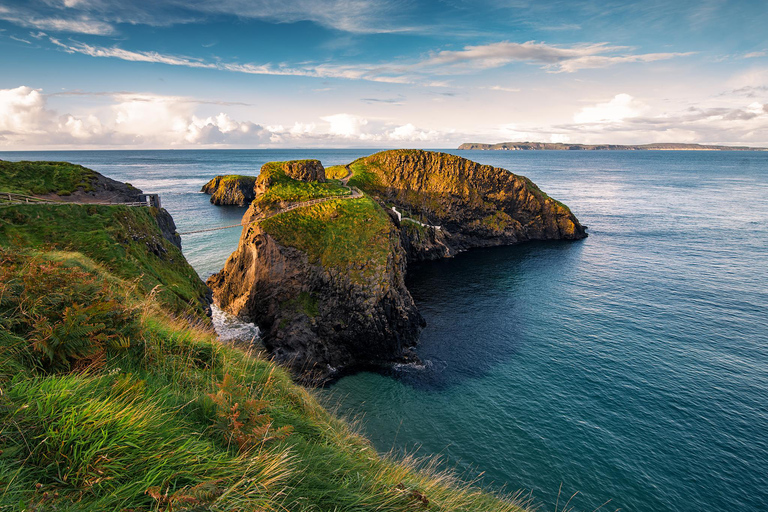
(231, 190)
(476, 205)
(321, 314)
(325, 282)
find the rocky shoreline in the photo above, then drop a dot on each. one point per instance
(326, 283)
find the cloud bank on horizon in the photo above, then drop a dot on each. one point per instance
(342, 73)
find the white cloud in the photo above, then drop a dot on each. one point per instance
(22, 110)
(409, 132)
(553, 57)
(504, 89)
(156, 121)
(132, 119)
(79, 26)
(345, 125)
(97, 17)
(621, 107)
(754, 55)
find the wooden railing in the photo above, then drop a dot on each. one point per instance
(12, 198)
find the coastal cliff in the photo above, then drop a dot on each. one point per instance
(325, 280)
(475, 205)
(230, 189)
(117, 394)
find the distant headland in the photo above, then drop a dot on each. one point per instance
(559, 146)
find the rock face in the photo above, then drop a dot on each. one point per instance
(231, 190)
(305, 170)
(475, 205)
(316, 319)
(325, 283)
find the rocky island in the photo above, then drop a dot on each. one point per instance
(320, 266)
(230, 189)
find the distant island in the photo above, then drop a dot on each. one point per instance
(559, 146)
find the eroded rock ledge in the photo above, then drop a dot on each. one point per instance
(325, 283)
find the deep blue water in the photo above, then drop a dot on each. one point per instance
(630, 366)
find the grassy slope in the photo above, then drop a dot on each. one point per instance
(351, 235)
(116, 404)
(282, 188)
(124, 239)
(335, 172)
(30, 178)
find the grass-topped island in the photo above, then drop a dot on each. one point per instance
(321, 263)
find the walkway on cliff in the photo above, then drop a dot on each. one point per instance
(10, 198)
(401, 219)
(354, 193)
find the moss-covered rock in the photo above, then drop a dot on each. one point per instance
(478, 205)
(231, 189)
(325, 282)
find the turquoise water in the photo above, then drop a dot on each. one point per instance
(630, 366)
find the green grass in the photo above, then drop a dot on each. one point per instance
(363, 174)
(149, 424)
(248, 180)
(351, 235)
(125, 240)
(113, 397)
(335, 172)
(283, 188)
(35, 178)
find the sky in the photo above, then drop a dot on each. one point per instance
(104, 74)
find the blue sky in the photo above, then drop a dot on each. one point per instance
(391, 73)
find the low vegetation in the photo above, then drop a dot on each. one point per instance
(363, 176)
(33, 178)
(124, 239)
(336, 172)
(284, 189)
(110, 399)
(351, 235)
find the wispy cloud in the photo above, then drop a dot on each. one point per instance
(99, 17)
(386, 74)
(20, 40)
(502, 88)
(81, 25)
(140, 96)
(554, 58)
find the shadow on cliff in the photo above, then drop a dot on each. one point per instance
(479, 307)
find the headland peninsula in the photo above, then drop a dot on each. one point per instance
(566, 146)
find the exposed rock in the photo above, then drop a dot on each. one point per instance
(319, 320)
(231, 190)
(476, 205)
(318, 315)
(305, 170)
(167, 226)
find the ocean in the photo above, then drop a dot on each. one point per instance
(631, 366)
